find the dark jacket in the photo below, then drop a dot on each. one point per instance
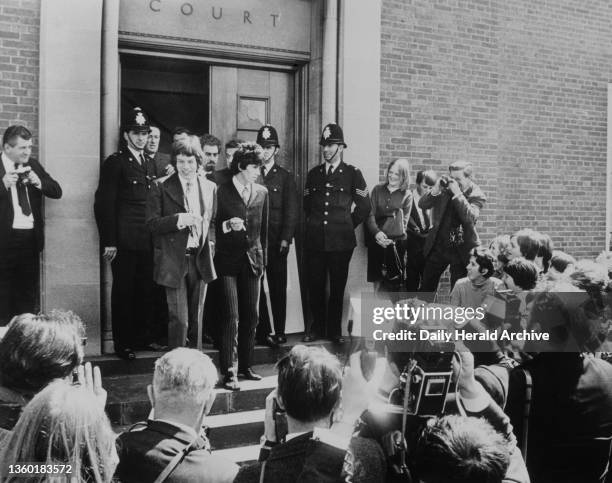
(147, 449)
(165, 202)
(305, 459)
(233, 246)
(330, 223)
(49, 188)
(454, 220)
(283, 213)
(120, 201)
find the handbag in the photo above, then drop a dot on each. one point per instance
(393, 269)
(393, 226)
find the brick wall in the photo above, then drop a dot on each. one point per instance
(520, 89)
(19, 52)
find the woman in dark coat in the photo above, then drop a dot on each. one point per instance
(384, 231)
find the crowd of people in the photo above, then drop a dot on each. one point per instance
(190, 243)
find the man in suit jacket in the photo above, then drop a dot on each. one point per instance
(281, 226)
(455, 212)
(330, 192)
(181, 396)
(120, 208)
(181, 215)
(163, 167)
(240, 260)
(419, 223)
(24, 183)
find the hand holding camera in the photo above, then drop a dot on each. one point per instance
(236, 224)
(382, 239)
(275, 423)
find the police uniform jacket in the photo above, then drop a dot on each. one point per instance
(232, 245)
(454, 220)
(330, 223)
(164, 204)
(120, 201)
(283, 205)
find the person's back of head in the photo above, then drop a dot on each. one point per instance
(462, 450)
(183, 385)
(545, 250)
(63, 424)
(309, 383)
(485, 260)
(39, 348)
(528, 242)
(562, 263)
(523, 272)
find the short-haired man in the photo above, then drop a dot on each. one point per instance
(330, 192)
(456, 202)
(309, 390)
(181, 396)
(180, 133)
(24, 183)
(211, 147)
(223, 175)
(472, 290)
(419, 224)
(181, 215)
(162, 160)
(283, 215)
(120, 206)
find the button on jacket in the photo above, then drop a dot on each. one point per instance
(283, 213)
(330, 223)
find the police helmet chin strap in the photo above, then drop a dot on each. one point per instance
(332, 158)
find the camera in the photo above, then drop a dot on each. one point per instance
(23, 172)
(280, 421)
(444, 181)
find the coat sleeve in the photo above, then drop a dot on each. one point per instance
(212, 227)
(468, 209)
(308, 194)
(406, 207)
(371, 219)
(290, 207)
(157, 223)
(49, 187)
(361, 198)
(105, 206)
(264, 229)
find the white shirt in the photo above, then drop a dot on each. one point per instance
(20, 221)
(240, 187)
(415, 199)
(334, 166)
(192, 203)
(137, 155)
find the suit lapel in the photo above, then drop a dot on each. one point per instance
(175, 190)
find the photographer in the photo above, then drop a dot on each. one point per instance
(456, 201)
(436, 448)
(306, 400)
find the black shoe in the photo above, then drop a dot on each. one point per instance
(268, 341)
(338, 340)
(126, 354)
(281, 339)
(230, 382)
(249, 375)
(308, 338)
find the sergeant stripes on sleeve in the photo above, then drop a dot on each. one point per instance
(363, 193)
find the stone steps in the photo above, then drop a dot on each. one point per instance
(236, 419)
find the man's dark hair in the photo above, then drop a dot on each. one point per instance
(528, 241)
(462, 450)
(187, 147)
(181, 130)
(524, 272)
(233, 143)
(249, 153)
(13, 132)
(561, 260)
(484, 258)
(309, 383)
(210, 140)
(429, 176)
(39, 348)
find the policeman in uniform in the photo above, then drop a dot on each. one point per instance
(120, 206)
(329, 194)
(283, 215)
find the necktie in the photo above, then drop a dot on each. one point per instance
(245, 195)
(142, 160)
(22, 197)
(330, 170)
(263, 171)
